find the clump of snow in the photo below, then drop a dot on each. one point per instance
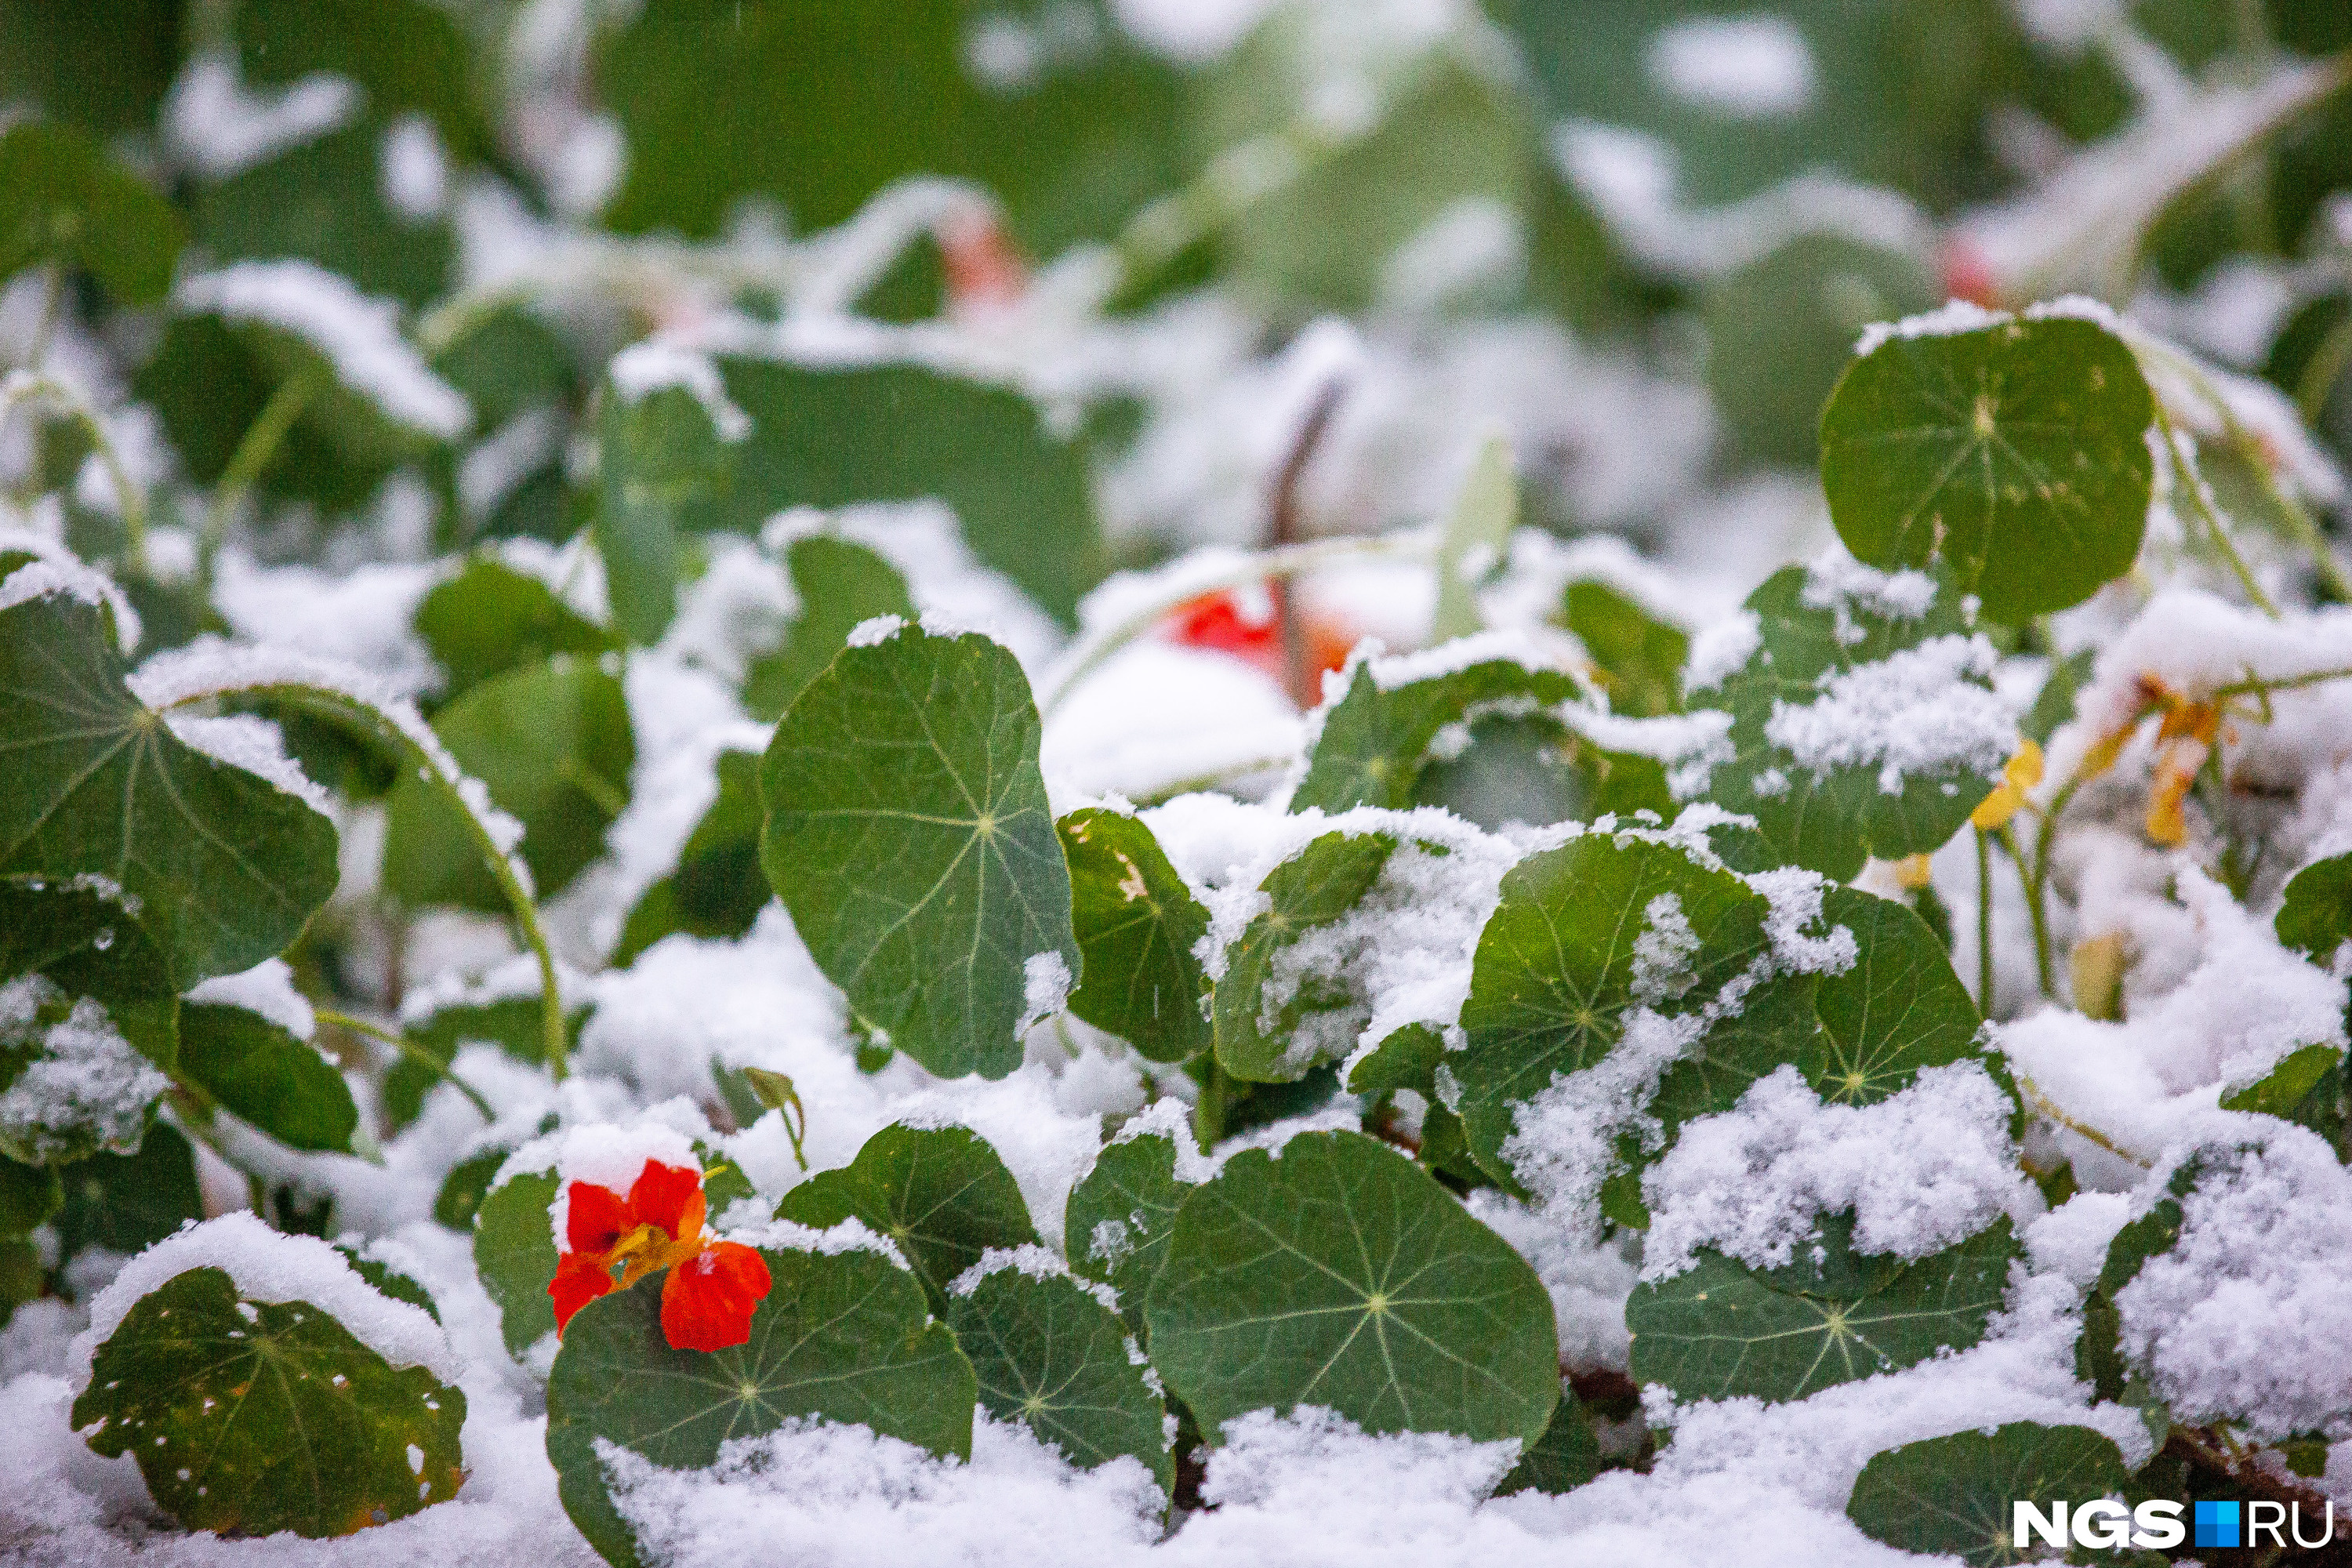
(1922, 1169)
(605, 1155)
(643, 368)
(1950, 319)
(266, 1265)
(1754, 67)
(358, 335)
(2244, 1318)
(56, 572)
(218, 127)
(1031, 1262)
(1720, 650)
(267, 988)
(255, 744)
(875, 630)
(1047, 982)
(83, 1079)
(1919, 712)
(416, 169)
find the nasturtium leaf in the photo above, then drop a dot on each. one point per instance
(103, 65)
(2316, 918)
(83, 935)
(831, 436)
(322, 201)
(553, 745)
(1137, 924)
(1048, 1353)
(127, 1203)
(2017, 454)
(1572, 951)
(1526, 769)
(1898, 1009)
(2099, 1352)
(1407, 1058)
(226, 867)
(1721, 1330)
(514, 1256)
(508, 361)
(840, 585)
(249, 1418)
(717, 889)
(387, 1280)
(1865, 722)
(458, 1202)
(1778, 1021)
(1267, 1031)
(29, 1195)
(1341, 1275)
(1567, 1456)
(1376, 741)
(264, 1075)
(1118, 1220)
(63, 199)
(660, 451)
(1780, 328)
(1957, 1496)
(491, 618)
(940, 1194)
(910, 835)
(2307, 1088)
(1638, 658)
(843, 1338)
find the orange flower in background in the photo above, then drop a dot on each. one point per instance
(2182, 743)
(2018, 778)
(1220, 621)
(713, 1286)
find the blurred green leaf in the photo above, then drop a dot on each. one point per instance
(61, 198)
(489, 619)
(841, 585)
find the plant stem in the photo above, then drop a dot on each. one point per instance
(2042, 1106)
(431, 764)
(1282, 530)
(2320, 371)
(128, 496)
(53, 292)
(1984, 921)
(260, 443)
(2254, 685)
(413, 1051)
(2034, 910)
(2187, 480)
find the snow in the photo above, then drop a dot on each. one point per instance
(358, 336)
(1919, 712)
(266, 1265)
(83, 1080)
(218, 127)
(416, 170)
(1756, 66)
(1922, 1169)
(255, 744)
(268, 989)
(875, 630)
(645, 368)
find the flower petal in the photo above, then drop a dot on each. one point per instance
(708, 1299)
(597, 1218)
(670, 1196)
(579, 1280)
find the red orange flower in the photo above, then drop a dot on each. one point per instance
(1220, 621)
(713, 1286)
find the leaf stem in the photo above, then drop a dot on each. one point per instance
(2188, 480)
(413, 1051)
(1984, 921)
(53, 293)
(1281, 528)
(434, 767)
(2260, 686)
(2045, 1107)
(128, 496)
(2042, 964)
(258, 445)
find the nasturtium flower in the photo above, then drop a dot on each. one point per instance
(713, 1286)
(2021, 773)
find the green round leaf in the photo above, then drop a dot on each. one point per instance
(1957, 1496)
(1050, 1355)
(1638, 658)
(1137, 924)
(657, 453)
(843, 1337)
(29, 1195)
(1119, 1219)
(226, 866)
(2016, 454)
(1825, 675)
(261, 1073)
(553, 745)
(910, 835)
(62, 198)
(82, 936)
(1558, 969)
(2316, 918)
(249, 1418)
(491, 618)
(515, 1257)
(1899, 1008)
(1342, 1275)
(940, 1194)
(127, 1203)
(1316, 886)
(840, 585)
(1721, 1330)
(1375, 743)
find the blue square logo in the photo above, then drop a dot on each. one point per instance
(2217, 1524)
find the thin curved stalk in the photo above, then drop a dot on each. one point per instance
(352, 709)
(2039, 917)
(2187, 479)
(129, 497)
(2041, 1105)
(259, 444)
(413, 1051)
(1984, 921)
